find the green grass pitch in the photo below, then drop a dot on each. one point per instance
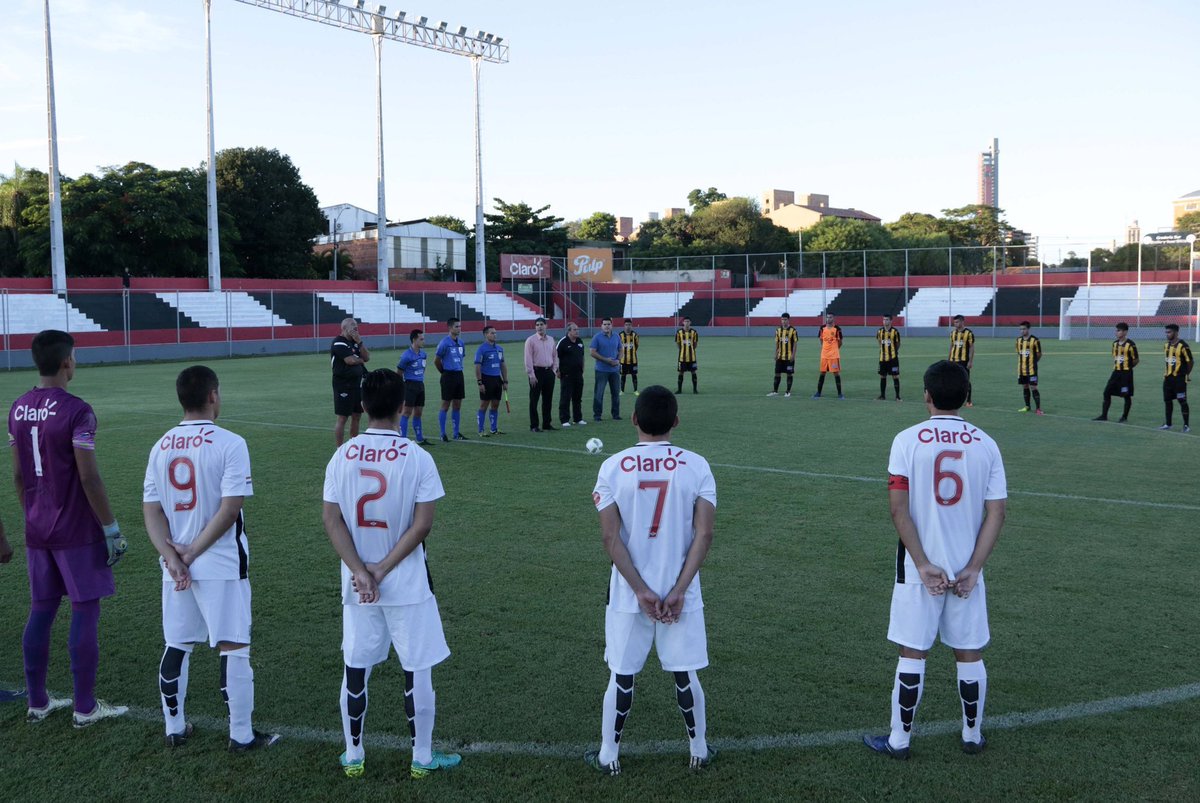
(1093, 594)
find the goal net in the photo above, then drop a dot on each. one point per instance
(1095, 318)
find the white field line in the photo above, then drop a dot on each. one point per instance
(209, 727)
(760, 469)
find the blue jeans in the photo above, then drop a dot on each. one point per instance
(613, 382)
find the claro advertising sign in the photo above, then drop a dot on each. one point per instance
(524, 266)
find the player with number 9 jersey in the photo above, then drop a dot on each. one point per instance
(375, 480)
(190, 470)
(950, 468)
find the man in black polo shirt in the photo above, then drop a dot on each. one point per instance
(347, 356)
(571, 351)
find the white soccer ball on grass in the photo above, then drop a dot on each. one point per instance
(594, 445)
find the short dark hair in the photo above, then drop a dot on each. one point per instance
(382, 393)
(602, 320)
(488, 328)
(193, 385)
(1024, 323)
(1172, 328)
(687, 318)
(51, 348)
(539, 320)
(947, 383)
(957, 318)
(656, 409)
(629, 321)
(785, 315)
(1122, 326)
(414, 334)
(451, 321)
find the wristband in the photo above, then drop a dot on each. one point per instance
(112, 529)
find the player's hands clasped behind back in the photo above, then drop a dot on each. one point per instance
(934, 578)
(366, 583)
(964, 584)
(662, 610)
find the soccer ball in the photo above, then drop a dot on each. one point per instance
(594, 445)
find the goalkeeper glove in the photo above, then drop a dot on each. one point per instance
(115, 542)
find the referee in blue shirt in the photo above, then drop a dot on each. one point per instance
(412, 368)
(491, 375)
(449, 361)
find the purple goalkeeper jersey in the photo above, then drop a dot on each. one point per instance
(46, 426)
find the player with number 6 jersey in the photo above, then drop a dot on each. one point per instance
(656, 503)
(197, 478)
(947, 491)
(380, 493)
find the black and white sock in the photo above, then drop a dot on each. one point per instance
(906, 696)
(172, 685)
(354, 710)
(972, 690)
(690, 697)
(618, 700)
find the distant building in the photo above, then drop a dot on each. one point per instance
(410, 248)
(1030, 241)
(989, 176)
(1133, 233)
(1185, 205)
(624, 229)
(781, 207)
(674, 211)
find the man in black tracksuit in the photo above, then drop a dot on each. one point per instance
(571, 351)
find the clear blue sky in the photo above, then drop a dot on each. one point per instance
(623, 107)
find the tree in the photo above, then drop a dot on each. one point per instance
(976, 224)
(600, 226)
(1189, 222)
(20, 195)
(456, 224)
(699, 198)
(520, 229)
(274, 214)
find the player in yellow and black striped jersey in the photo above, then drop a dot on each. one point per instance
(1029, 351)
(888, 338)
(962, 349)
(1176, 374)
(1120, 382)
(628, 356)
(786, 339)
(687, 339)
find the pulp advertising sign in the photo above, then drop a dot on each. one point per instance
(590, 264)
(524, 266)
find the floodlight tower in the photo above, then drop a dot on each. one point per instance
(214, 240)
(479, 48)
(58, 259)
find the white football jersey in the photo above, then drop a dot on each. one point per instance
(190, 470)
(376, 479)
(950, 468)
(655, 487)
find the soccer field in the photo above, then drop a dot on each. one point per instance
(1093, 689)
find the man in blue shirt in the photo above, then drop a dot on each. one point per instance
(412, 368)
(449, 362)
(605, 350)
(491, 375)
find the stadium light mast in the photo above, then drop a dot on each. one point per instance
(354, 17)
(58, 258)
(214, 240)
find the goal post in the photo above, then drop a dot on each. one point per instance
(1081, 318)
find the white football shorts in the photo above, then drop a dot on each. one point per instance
(370, 631)
(209, 610)
(681, 647)
(918, 618)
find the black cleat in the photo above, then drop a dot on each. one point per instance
(461, 437)
(261, 741)
(1100, 418)
(974, 748)
(881, 745)
(180, 739)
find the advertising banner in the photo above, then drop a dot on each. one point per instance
(590, 264)
(524, 266)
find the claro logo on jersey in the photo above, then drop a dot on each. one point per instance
(170, 441)
(631, 463)
(366, 454)
(964, 438)
(26, 413)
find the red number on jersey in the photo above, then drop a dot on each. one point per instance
(661, 487)
(188, 484)
(378, 493)
(940, 474)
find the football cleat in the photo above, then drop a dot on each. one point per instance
(773, 393)
(1024, 409)
(535, 429)
(483, 434)
(880, 398)
(1165, 426)
(444, 439)
(787, 395)
(816, 395)
(439, 761)
(103, 711)
(180, 739)
(698, 763)
(548, 428)
(840, 396)
(1100, 418)
(1122, 419)
(1039, 411)
(880, 744)
(897, 398)
(424, 442)
(1186, 428)
(592, 759)
(565, 424)
(7, 696)
(353, 769)
(970, 405)
(52, 705)
(581, 423)
(974, 748)
(458, 436)
(497, 432)
(261, 741)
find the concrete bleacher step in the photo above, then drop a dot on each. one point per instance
(798, 303)
(498, 306)
(933, 303)
(26, 313)
(217, 310)
(373, 308)
(654, 305)
(1116, 300)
